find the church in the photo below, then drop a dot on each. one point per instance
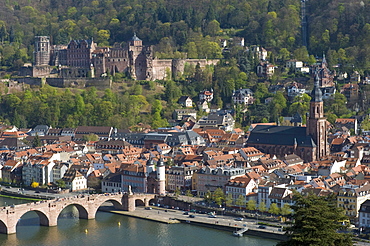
(310, 142)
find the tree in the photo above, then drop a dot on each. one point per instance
(285, 210)
(208, 196)
(240, 201)
(274, 209)
(262, 207)
(36, 141)
(218, 196)
(60, 183)
(229, 199)
(251, 205)
(316, 222)
(177, 192)
(188, 193)
(35, 185)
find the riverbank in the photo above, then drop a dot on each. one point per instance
(20, 198)
(136, 214)
(18, 195)
(220, 223)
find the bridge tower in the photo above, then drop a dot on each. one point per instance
(161, 177)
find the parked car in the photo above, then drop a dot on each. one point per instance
(148, 208)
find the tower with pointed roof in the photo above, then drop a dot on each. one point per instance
(316, 123)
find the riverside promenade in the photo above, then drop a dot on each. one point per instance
(226, 223)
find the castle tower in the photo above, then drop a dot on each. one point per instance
(316, 123)
(135, 48)
(41, 54)
(161, 177)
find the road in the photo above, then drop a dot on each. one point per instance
(34, 193)
(203, 218)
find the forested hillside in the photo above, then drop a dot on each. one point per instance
(340, 29)
(180, 29)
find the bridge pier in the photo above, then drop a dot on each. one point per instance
(11, 229)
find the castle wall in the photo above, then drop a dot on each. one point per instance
(159, 68)
(75, 72)
(30, 81)
(99, 83)
(202, 62)
(41, 71)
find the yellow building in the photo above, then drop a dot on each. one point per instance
(351, 197)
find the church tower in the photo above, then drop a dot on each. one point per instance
(316, 123)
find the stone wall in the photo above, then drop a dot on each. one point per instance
(41, 71)
(30, 81)
(99, 83)
(176, 66)
(159, 68)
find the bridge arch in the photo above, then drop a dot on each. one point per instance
(82, 211)
(116, 203)
(3, 228)
(44, 219)
(139, 202)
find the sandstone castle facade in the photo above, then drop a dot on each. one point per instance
(84, 59)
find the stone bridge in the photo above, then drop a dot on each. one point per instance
(87, 206)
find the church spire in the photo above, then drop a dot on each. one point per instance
(316, 94)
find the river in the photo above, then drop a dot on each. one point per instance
(110, 229)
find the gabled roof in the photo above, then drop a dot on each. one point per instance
(280, 135)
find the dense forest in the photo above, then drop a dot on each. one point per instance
(339, 29)
(193, 30)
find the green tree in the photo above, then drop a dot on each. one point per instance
(60, 183)
(188, 193)
(229, 199)
(251, 205)
(208, 197)
(177, 192)
(240, 201)
(36, 141)
(316, 222)
(262, 207)
(285, 210)
(274, 209)
(218, 196)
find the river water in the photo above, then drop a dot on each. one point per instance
(111, 229)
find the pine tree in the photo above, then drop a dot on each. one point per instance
(316, 222)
